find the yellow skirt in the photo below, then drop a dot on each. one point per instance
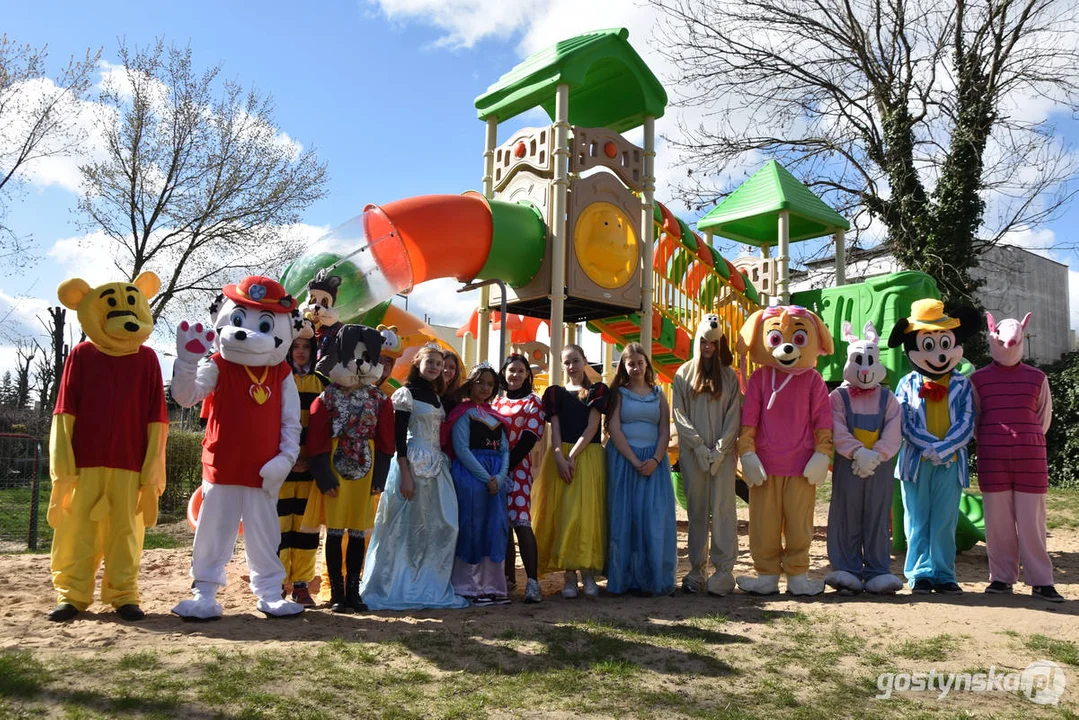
(570, 520)
(352, 509)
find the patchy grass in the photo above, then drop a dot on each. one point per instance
(1061, 651)
(1062, 509)
(933, 649)
(773, 666)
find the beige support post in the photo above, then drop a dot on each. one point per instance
(840, 258)
(608, 362)
(647, 241)
(784, 280)
(468, 351)
(571, 334)
(483, 323)
(764, 252)
(561, 186)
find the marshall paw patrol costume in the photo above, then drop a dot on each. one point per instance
(252, 438)
(106, 448)
(785, 444)
(938, 422)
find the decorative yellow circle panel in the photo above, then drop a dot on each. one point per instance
(606, 245)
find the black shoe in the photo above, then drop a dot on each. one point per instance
(337, 594)
(130, 612)
(998, 588)
(353, 601)
(947, 588)
(63, 612)
(1047, 592)
(922, 586)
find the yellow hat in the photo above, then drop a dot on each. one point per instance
(929, 314)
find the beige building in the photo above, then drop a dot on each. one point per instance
(1016, 281)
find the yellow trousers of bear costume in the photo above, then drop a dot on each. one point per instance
(100, 524)
(781, 525)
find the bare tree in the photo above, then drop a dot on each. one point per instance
(45, 379)
(198, 181)
(911, 112)
(37, 120)
(24, 358)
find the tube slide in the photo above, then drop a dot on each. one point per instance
(391, 248)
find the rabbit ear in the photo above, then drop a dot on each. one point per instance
(992, 323)
(848, 332)
(870, 332)
(1026, 319)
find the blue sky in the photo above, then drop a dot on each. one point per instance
(383, 90)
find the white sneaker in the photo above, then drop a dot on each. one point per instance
(532, 591)
(570, 590)
(590, 588)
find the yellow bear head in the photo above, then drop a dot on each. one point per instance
(115, 316)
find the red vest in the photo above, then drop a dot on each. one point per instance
(241, 435)
(1011, 444)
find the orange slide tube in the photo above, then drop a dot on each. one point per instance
(443, 236)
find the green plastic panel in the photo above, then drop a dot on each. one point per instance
(518, 242)
(884, 300)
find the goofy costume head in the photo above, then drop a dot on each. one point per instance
(938, 422)
(785, 443)
(107, 447)
(866, 430)
(252, 436)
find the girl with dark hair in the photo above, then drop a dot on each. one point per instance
(642, 552)
(477, 441)
(410, 556)
(571, 494)
(451, 378)
(524, 411)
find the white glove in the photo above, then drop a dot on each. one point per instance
(274, 473)
(753, 470)
(931, 455)
(192, 341)
(865, 462)
(701, 455)
(717, 462)
(816, 470)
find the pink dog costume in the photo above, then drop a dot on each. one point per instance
(1014, 411)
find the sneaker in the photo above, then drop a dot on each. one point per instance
(948, 588)
(1047, 592)
(500, 600)
(483, 601)
(999, 588)
(63, 612)
(922, 586)
(130, 612)
(301, 595)
(570, 590)
(533, 594)
(590, 588)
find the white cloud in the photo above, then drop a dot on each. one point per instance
(440, 302)
(1038, 241)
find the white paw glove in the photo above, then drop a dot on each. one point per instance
(701, 455)
(753, 470)
(816, 470)
(931, 455)
(865, 462)
(274, 473)
(193, 341)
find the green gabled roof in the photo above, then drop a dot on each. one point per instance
(750, 214)
(609, 84)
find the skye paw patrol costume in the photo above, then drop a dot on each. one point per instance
(938, 422)
(785, 443)
(252, 438)
(106, 447)
(867, 430)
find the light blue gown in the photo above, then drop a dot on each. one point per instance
(410, 556)
(642, 551)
